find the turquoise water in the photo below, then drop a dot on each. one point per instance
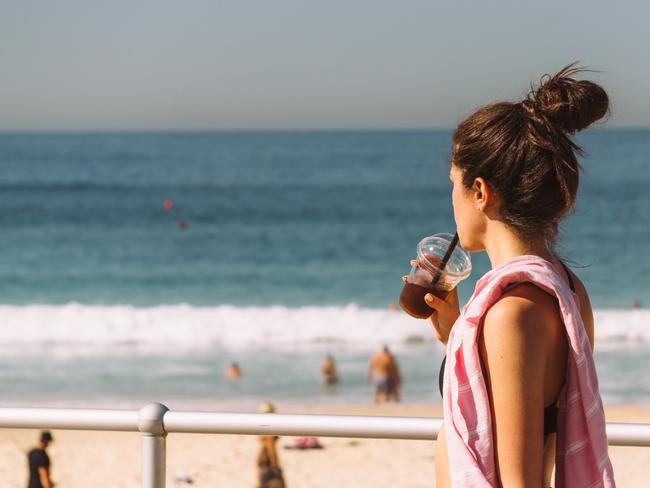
(294, 245)
(275, 218)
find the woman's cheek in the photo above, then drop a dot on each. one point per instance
(456, 208)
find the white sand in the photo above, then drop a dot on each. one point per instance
(106, 459)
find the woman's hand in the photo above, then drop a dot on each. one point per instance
(445, 315)
(445, 311)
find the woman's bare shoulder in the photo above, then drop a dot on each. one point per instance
(521, 315)
(523, 301)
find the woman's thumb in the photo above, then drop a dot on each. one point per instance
(433, 301)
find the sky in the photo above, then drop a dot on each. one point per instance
(302, 64)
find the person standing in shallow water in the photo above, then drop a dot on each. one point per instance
(39, 463)
(328, 370)
(514, 177)
(396, 383)
(383, 374)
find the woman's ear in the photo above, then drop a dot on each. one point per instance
(481, 193)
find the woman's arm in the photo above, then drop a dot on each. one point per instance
(513, 346)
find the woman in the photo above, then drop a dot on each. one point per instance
(517, 350)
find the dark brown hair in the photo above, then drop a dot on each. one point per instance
(525, 152)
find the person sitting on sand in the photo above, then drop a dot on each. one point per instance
(233, 371)
(328, 369)
(39, 463)
(305, 443)
(268, 463)
(382, 372)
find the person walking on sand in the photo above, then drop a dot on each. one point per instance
(382, 374)
(328, 369)
(39, 463)
(268, 464)
(519, 384)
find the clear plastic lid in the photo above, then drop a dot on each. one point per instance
(431, 251)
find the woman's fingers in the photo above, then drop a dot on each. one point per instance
(405, 278)
(434, 302)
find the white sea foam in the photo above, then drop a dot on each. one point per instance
(622, 326)
(185, 327)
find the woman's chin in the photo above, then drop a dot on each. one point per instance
(469, 245)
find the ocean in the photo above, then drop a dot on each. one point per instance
(135, 266)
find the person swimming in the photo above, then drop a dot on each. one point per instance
(233, 371)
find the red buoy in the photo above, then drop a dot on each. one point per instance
(168, 204)
(182, 224)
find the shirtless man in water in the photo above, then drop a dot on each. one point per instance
(328, 369)
(383, 373)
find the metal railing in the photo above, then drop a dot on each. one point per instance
(155, 421)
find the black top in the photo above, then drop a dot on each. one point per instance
(38, 458)
(550, 412)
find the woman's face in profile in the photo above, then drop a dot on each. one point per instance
(468, 217)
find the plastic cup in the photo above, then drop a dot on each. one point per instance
(430, 253)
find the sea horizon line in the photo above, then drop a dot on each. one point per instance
(269, 131)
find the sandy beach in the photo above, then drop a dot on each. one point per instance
(107, 459)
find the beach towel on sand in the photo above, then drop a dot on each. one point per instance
(582, 460)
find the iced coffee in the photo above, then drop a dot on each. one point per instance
(429, 275)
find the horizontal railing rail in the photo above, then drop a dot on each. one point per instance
(155, 421)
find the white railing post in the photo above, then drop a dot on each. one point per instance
(154, 439)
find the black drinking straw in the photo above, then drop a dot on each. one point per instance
(445, 259)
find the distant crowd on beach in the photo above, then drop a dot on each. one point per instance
(383, 374)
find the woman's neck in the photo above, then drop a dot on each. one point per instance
(502, 244)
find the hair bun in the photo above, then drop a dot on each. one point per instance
(571, 104)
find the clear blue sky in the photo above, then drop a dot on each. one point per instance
(277, 64)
